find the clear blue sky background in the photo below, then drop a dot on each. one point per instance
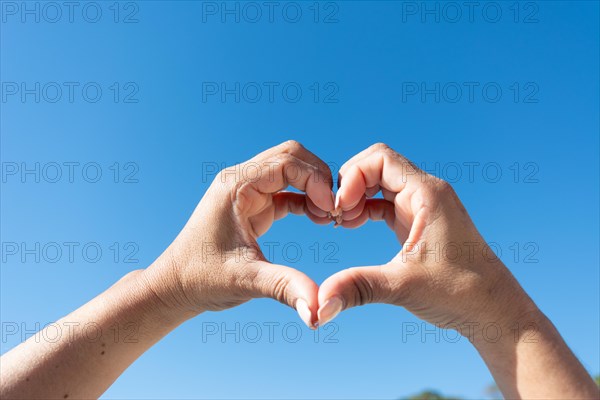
(172, 135)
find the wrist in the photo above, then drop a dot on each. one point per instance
(503, 308)
(163, 291)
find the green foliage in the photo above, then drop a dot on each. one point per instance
(493, 392)
(430, 395)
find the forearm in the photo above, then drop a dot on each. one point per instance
(532, 361)
(94, 344)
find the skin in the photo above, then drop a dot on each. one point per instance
(447, 275)
(215, 263)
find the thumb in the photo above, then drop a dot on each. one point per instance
(358, 286)
(288, 286)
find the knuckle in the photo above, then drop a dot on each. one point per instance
(436, 189)
(247, 282)
(363, 292)
(292, 145)
(380, 147)
(267, 284)
(240, 200)
(392, 156)
(282, 158)
(442, 188)
(280, 289)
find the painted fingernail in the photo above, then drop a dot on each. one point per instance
(304, 313)
(330, 310)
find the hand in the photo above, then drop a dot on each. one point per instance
(445, 273)
(215, 263)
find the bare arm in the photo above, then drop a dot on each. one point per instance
(447, 274)
(532, 361)
(82, 354)
(215, 263)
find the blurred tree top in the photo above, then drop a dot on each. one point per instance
(430, 395)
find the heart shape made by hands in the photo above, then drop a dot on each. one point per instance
(360, 179)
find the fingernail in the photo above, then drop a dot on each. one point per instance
(330, 310)
(337, 200)
(304, 312)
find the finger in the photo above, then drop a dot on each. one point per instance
(374, 210)
(381, 166)
(312, 207)
(356, 211)
(359, 156)
(369, 193)
(389, 195)
(361, 285)
(286, 285)
(380, 210)
(377, 166)
(372, 191)
(299, 151)
(283, 170)
(298, 204)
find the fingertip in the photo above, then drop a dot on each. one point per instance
(352, 191)
(330, 309)
(328, 288)
(312, 208)
(320, 194)
(305, 313)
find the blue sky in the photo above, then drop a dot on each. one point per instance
(367, 72)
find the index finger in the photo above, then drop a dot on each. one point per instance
(405, 186)
(297, 150)
(377, 166)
